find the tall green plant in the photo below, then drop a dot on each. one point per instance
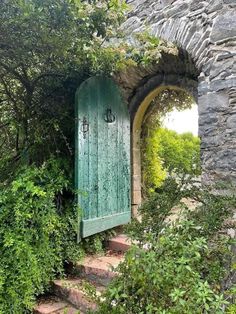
(165, 152)
(37, 232)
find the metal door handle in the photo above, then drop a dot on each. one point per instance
(109, 116)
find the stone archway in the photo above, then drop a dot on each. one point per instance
(205, 32)
(172, 71)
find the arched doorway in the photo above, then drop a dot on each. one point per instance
(137, 125)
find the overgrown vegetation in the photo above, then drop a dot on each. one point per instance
(47, 49)
(178, 267)
(35, 235)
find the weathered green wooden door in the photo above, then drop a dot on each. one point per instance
(102, 156)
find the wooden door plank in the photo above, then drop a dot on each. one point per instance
(93, 150)
(93, 226)
(120, 189)
(110, 98)
(83, 169)
(102, 154)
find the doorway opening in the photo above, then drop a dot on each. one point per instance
(165, 141)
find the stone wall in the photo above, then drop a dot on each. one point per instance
(205, 32)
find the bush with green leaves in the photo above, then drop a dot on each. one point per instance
(35, 230)
(38, 233)
(165, 152)
(177, 267)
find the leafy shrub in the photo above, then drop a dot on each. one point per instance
(232, 309)
(178, 267)
(166, 152)
(37, 234)
(153, 172)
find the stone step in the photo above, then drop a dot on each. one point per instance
(120, 243)
(99, 268)
(74, 292)
(52, 305)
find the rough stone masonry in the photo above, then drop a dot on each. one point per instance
(205, 32)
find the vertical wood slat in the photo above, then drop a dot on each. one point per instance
(120, 161)
(103, 165)
(93, 151)
(82, 182)
(85, 156)
(102, 154)
(111, 103)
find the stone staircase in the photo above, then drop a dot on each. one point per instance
(70, 296)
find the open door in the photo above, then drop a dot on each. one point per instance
(102, 156)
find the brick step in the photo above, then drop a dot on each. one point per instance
(120, 243)
(99, 268)
(74, 292)
(53, 305)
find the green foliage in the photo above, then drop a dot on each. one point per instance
(232, 294)
(37, 234)
(153, 172)
(95, 244)
(149, 49)
(178, 267)
(166, 152)
(47, 49)
(155, 210)
(166, 101)
(232, 309)
(180, 152)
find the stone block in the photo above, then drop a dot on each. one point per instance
(229, 1)
(166, 2)
(177, 11)
(214, 5)
(212, 102)
(120, 243)
(220, 84)
(224, 27)
(231, 122)
(49, 307)
(134, 209)
(136, 197)
(136, 182)
(136, 169)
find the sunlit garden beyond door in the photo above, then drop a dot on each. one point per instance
(170, 146)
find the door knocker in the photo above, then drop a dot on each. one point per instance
(109, 116)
